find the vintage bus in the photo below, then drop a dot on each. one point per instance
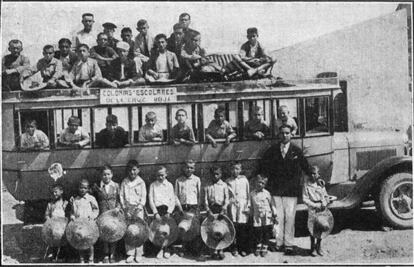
(356, 165)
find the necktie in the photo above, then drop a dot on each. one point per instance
(145, 46)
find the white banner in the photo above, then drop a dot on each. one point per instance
(138, 95)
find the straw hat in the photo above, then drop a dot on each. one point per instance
(112, 225)
(53, 231)
(82, 233)
(33, 82)
(320, 224)
(136, 233)
(189, 226)
(217, 234)
(163, 232)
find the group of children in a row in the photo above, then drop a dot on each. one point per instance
(113, 63)
(112, 136)
(232, 198)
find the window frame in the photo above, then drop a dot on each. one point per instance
(329, 118)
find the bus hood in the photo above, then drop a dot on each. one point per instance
(361, 139)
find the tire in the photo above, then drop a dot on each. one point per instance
(395, 200)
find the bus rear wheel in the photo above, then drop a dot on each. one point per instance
(395, 200)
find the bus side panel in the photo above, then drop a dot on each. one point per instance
(318, 150)
(11, 181)
(7, 128)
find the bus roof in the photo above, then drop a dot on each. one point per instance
(185, 93)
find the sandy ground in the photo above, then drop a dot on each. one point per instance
(356, 238)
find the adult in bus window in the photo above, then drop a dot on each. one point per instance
(74, 135)
(112, 136)
(256, 128)
(33, 139)
(284, 118)
(284, 163)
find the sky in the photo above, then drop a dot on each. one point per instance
(222, 24)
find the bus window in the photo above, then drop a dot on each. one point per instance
(230, 111)
(100, 119)
(62, 116)
(161, 124)
(283, 108)
(42, 122)
(316, 115)
(251, 125)
(190, 110)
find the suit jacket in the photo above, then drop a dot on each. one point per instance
(107, 201)
(284, 173)
(140, 45)
(172, 62)
(107, 139)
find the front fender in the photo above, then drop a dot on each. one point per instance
(370, 179)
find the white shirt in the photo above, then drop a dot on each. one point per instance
(162, 193)
(187, 189)
(88, 38)
(284, 149)
(161, 63)
(133, 193)
(80, 136)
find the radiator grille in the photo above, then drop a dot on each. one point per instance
(368, 159)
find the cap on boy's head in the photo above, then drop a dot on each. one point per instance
(252, 30)
(141, 22)
(109, 25)
(73, 121)
(122, 45)
(112, 119)
(65, 41)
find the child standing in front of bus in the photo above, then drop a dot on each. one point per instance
(107, 195)
(284, 118)
(188, 192)
(314, 195)
(219, 128)
(151, 131)
(113, 136)
(162, 201)
(182, 133)
(256, 128)
(56, 209)
(263, 212)
(216, 200)
(133, 196)
(84, 205)
(239, 208)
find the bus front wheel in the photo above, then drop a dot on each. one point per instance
(395, 201)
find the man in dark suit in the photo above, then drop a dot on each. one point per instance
(283, 163)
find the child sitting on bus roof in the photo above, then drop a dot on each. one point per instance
(33, 139)
(14, 66)
(256, 127)
(143, 46)
(219, 128)
(252, 55)
(194, 56)
(85, 72)
(66, 56)
(124, 71)
(112, 136)
(181, 133)
(74, 136)
(104, 54)
(50, 68)
(151, 131)
(285, 119)
(163, 64)
(126, 36)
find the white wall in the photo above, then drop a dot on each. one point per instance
(371, 57)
